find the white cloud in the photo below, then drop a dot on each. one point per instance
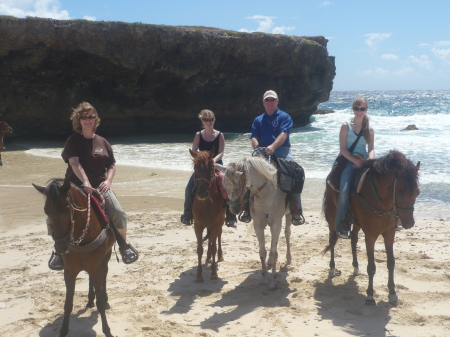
(422, 61)
(327, 3)
(404, 71)
(374, 39)
(442, 43)
(443, 54)
(266, 25)
(40, 8)
(389, 57)
(282, 29)
(90, 18)
(378, 72)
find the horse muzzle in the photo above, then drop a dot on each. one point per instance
(62, 244)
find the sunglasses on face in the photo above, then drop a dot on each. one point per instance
(359, 109)
(271, 99)
(87, 117)
(207, 119)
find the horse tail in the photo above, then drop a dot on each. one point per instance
(332, 243)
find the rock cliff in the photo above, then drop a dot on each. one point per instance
(153, 78)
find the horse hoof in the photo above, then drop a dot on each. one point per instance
(199, 280)
(90, 304)
(393, 300)
(214, 277)
(370, 302)
(107, 306)
(356, 271)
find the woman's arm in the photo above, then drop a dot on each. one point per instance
(80, 173)
(221, 148)
(106, 185)
(343, 145)
(371, 144)
(196, 142)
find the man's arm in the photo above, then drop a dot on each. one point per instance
(277, 143)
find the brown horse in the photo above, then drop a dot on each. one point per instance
(85, 242)
(4, 127)
(387, 193)
(208, 211)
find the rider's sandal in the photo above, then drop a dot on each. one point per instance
(186, 219)
(344, 233)
(56, 262)
(231, 223)
(129, 254)
(298, 219)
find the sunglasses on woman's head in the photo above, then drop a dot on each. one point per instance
(359, 109)
(87, 117)
(207, 119)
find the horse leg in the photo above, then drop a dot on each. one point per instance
(91, 294)
(98, 279)
(208, 253)
(332, 243)
(259, 231)
(287, 234)
(354, 243)
(389, 245)
(275, 230)
(213, 255)
(219, 251)
(371, 267)
(69, 279)
(198, 233)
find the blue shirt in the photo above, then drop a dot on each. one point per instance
(268, 128)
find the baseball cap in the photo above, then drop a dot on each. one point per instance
(270, 93)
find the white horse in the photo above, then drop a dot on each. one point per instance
(267, 206)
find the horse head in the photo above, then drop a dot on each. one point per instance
(403, 175)
(4, 127)
(234, 184)
(203, 172)
(58, 209)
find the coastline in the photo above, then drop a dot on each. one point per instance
(157, 295)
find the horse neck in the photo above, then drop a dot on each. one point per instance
(81, 216)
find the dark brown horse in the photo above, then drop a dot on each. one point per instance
(85, 242)
(208, 211)
(387, 193)
(4, 127)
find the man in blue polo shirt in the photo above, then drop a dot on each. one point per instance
(271, 130)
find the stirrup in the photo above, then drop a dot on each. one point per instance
(129, 254)
(245, 217)
(298, 219)
(344, 232)
(56, 261)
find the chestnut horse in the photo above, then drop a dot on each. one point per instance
(208, 210)
(85, 242)
(387, 193)
(4, 127)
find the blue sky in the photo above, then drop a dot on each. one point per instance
(378, 44)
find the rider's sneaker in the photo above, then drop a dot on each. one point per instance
(231, 223)
(344, 233)
(398, 227)
(56, 262)
(129, 255)
(186, 219)
(245, 217)
(298, 219)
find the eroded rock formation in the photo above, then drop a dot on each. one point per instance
(153, 78)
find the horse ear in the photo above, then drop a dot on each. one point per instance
(418, 165)
(193, 153)
(212, 152)
(66, 186)
(39, 188)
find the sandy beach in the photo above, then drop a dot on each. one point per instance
(157, 295)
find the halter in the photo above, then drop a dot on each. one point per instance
(394, 208)
(209, 182)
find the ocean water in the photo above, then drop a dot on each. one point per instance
(315, 146)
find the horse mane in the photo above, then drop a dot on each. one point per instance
(260, 165)
(397, 163)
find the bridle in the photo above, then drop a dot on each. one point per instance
(393, 211)
(209, 182)
(68, 237)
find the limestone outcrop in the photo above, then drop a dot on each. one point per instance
(153, 78)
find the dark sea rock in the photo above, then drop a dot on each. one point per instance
(153, 78)
(410, 127)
